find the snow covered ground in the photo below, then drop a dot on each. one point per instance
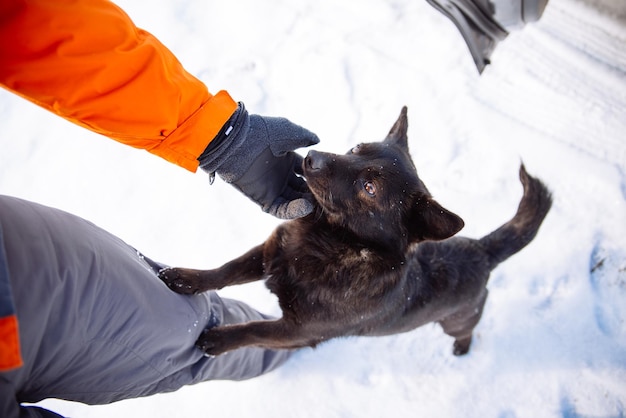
(552, 341)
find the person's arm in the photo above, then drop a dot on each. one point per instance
(87, 62)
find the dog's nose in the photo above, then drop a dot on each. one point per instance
(315, 160)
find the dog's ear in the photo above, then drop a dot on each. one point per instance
(397, 134)
(431, 221)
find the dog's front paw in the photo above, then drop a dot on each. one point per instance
(212, 342)
(177, 280)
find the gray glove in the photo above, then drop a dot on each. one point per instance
(256, 155)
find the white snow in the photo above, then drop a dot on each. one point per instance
(552, 340)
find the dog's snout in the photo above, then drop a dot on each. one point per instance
(316, 160)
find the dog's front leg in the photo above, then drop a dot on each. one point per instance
(278, 334)
(244, 269)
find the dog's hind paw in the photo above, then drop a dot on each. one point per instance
(175, 280)
(461, 347)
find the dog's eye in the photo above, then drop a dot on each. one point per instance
(370, 188)
(356, 149)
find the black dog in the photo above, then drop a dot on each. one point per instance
(374, 259)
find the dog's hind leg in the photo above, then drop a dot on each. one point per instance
(277, 334)
(460, 325)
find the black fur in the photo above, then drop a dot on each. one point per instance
(375, 258)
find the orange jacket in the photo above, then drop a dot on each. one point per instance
(86, 61)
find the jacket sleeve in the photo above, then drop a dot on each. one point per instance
(87, 62)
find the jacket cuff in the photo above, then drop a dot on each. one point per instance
(187, 142)
(228, 141)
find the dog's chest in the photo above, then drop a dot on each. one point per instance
(321, 271)
(320, 265)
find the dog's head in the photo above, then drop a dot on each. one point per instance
(374, 191)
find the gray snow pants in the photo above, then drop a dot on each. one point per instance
(96, 324)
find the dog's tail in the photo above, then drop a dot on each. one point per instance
(519, 231)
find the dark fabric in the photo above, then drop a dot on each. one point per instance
(97, 325)
(37, 412)
(230, 138)
(6, 297)
(256, 155)
(10, 354)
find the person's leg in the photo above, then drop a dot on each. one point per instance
(96, 323)
(484, 23)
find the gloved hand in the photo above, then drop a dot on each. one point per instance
(256, 155)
